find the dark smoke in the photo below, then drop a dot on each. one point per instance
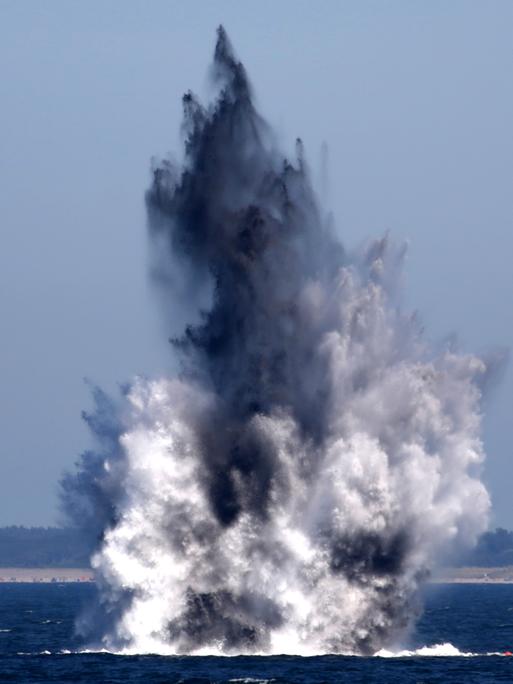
(248, 218)
(291, 490)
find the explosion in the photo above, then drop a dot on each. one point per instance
(290, 490)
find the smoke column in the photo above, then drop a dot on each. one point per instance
(291, 489)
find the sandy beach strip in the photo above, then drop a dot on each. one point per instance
(503, 575)
(477, 575)
(46, 575)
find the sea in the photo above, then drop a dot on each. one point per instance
(463, 636)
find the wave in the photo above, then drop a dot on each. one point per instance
(443, 650)
(437, 650)
(250, 680)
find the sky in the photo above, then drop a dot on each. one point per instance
(414, 100)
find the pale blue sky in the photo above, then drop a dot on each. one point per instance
(415, 100)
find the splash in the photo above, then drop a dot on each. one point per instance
(445, 650)
(290, 490)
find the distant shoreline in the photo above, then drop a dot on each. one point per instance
(499, 575)
(45, 575)
(474, 575)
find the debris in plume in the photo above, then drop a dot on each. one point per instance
(291, 489)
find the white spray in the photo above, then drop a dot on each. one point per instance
(291, 490)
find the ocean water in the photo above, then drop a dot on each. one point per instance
(461, 637)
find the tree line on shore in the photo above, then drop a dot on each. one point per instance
(42, 547)
(56, 547)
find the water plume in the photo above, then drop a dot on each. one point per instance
(290, 489)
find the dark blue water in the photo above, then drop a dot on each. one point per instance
(37, 623)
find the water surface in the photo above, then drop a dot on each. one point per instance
(37, 645)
